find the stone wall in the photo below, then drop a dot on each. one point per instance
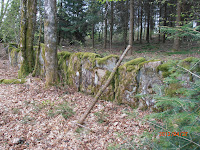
(135, 83)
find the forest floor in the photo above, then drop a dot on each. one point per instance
(28, 118)
(152, 50)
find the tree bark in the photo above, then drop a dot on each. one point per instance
(148, 21)
(111, 24)
(165, 21)
(28, 18)
(36, 71)
(126, 24)
(178, 19)
(81, 120)
(141, 15)
(50, 38)
(160, 15)
(106, 24)
(131, 32)
(93, 35)
(138, 24)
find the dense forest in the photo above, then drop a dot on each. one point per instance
(66, 43)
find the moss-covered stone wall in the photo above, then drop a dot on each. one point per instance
(135, 83)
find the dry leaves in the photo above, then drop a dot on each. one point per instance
(27, 122)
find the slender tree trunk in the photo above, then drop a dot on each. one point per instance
(178, 19)
(138, 24)
(148, 22)
(106, 24)
(111, 24)
(131, 25)
(165, 20)
(28, 17)
(93, 35)
(59, 31)
(50, 38)
(126, 24)
(141, 28)
(160, 15)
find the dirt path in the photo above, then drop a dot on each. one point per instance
(29, 118)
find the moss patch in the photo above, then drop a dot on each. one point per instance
(172, 89)
(103, 60)
(13, 45)
(12, 81)
(165, 69)
(130, 65)
(64, 54)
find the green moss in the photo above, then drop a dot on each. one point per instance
(172, 89)
(103, 60)
(13, 45)
(165, 69)
(13, 54)
(12, 81)
(64, 54)
(43, 50)
(189, 62)
(190, 59)
(134, 62)
(145, 62)
(23, 71)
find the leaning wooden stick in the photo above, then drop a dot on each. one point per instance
(81, 120)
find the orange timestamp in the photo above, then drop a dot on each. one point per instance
(173, 133)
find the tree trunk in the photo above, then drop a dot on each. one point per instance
(59, 27)
(126, 24)
(50, 38)
(81, 120)
(131, 24)
(141, 28)
(28, 17)
(111, 24)
(165, 21)
(93, 35)
(178, 19)
(160, 15)
(148, 22)
(36, 71)
(138, 24)
(105, 30)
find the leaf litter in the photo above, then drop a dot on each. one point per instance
(35, 117)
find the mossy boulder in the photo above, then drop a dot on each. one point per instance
(88, 62)
(12, 81)
(63, 63)
(149, 82)
(13, 56)
(104, 67)
(107, 62)
(126, 83)
(74, 70)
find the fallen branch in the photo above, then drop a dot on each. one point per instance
(81, 120)
(190, 72)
